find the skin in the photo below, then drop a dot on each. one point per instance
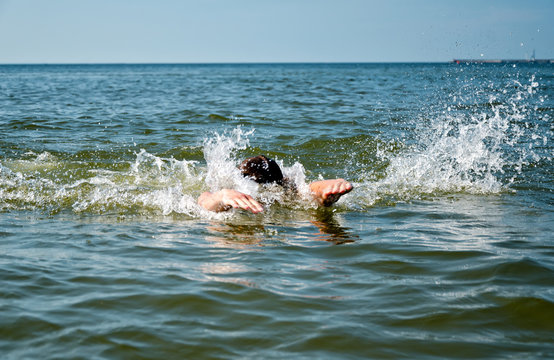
(325, 192)
(226, 199)
(328, 192)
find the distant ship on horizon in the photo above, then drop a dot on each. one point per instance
(532, 60)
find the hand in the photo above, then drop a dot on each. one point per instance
(226, 199)
(328, 192)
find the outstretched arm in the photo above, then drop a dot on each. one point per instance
(328, 192)
(226, 199)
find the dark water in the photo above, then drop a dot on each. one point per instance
(443, 250)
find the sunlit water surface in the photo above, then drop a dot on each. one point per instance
(443, 250)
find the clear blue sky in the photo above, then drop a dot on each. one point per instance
(131, 31)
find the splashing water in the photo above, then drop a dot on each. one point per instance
(149, 185)
(220, 152)
(480, 151)
(463, 153)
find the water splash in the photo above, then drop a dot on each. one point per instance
(149, 185)
(475, 152)
(478, 144)
(220, 151)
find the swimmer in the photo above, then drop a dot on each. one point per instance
(266, 171)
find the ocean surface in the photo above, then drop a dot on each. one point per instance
(444, 249)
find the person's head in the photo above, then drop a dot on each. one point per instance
(262, 170)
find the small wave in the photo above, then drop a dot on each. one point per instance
(217, 117)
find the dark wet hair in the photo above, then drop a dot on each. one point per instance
(262, 170)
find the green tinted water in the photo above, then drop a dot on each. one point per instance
(443, 249)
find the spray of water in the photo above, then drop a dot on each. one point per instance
(479, 152)
(220, 152)
(149, 185)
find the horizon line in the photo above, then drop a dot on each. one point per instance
(454, 60)
(226, 63)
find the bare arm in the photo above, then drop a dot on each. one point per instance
(328, 192)
(226, 199)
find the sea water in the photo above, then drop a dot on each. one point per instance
(442, 250)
